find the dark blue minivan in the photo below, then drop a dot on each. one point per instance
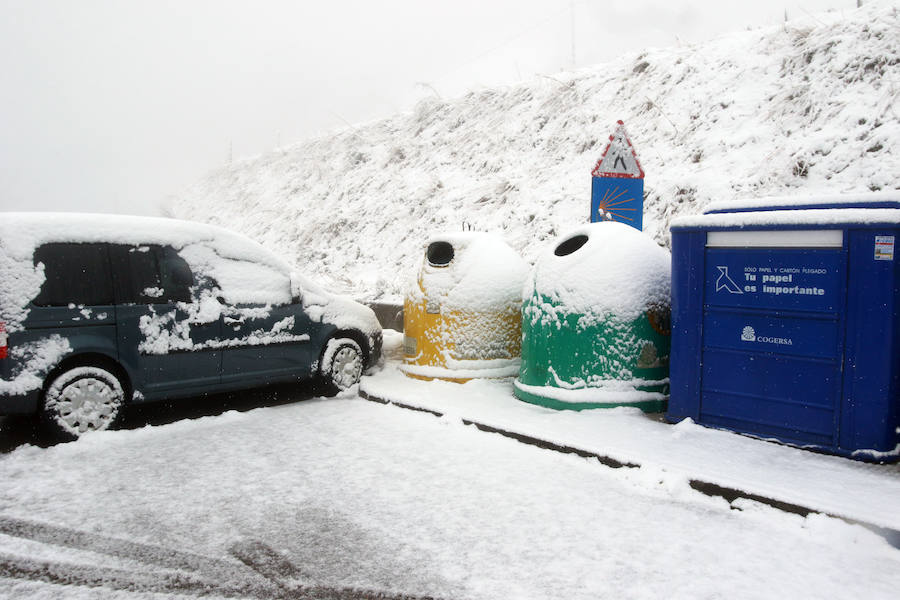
(97, 311)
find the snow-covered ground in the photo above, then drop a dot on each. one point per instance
(680, 454)
(787, 110)
(326, 496)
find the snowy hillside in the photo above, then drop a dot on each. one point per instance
(767, 112)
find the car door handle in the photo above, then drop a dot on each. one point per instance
(233, 321)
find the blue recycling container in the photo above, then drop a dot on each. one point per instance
(786, 322)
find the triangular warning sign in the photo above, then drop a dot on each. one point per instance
(619, 159)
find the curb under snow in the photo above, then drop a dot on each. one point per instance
(715, 463)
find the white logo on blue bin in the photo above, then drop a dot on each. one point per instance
(749, 335)
(725, 282)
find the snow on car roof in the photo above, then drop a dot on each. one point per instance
(245, 270)
(617, 271)
(21, 233)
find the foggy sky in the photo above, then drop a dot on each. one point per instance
(113, 106)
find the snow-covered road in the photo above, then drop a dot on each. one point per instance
(322, 497)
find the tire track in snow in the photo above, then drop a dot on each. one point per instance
(260, 571)
(194, 573)
(278, 569)
(105, 577)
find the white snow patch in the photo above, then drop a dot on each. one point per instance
(596, 394)
(170, 331)
(799, 202)
(619, 272)
(799, 218)
(35, 360)
(467, 369)
(485, 275)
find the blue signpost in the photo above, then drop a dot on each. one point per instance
(617, 188)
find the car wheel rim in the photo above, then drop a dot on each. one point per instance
(88, 404)
(346, 367)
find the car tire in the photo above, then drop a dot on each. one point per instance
(341, 366)
(80, 400)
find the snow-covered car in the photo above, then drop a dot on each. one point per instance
(97, 311)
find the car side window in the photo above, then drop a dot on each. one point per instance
(74, 274)
(143, 270)
(157, 275)
(175, 276)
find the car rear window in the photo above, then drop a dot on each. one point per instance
(74, 274)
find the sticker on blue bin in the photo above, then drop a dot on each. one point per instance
(884, 247)
(775, 278)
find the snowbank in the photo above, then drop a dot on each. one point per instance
(803, 108)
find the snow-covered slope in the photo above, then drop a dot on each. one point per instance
(767, 112)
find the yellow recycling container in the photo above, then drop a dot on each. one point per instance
(462, 314)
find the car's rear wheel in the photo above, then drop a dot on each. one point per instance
(341, 366)
(82, 399)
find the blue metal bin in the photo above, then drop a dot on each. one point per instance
(786, 322)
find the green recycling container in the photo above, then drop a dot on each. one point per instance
(596, 322)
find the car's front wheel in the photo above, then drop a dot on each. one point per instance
(341, 366)
(82, 399)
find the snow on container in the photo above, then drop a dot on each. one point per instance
(786, 321)
(595, 322)
(462, 315)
